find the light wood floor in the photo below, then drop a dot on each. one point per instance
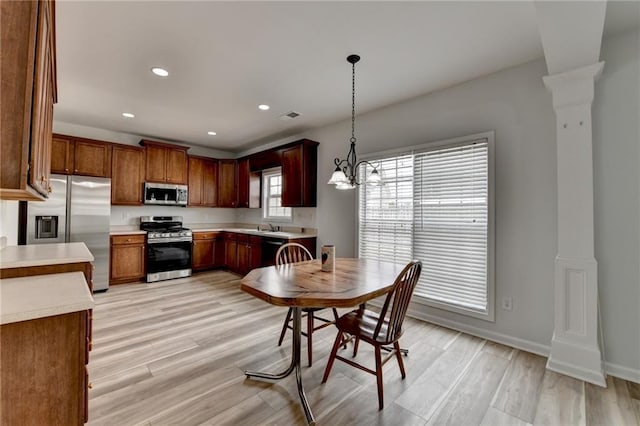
(173, 353)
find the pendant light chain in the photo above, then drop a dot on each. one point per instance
(345, 175)
(353, 102)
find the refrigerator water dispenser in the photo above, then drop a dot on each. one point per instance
(46, 227)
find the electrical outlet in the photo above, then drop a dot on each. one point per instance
(507, 303)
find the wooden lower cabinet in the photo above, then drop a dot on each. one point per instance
(231, 251)
(208, 250)
(127, 258)
(249, 253)
(44, 370)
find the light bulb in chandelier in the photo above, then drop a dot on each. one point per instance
(338, 177)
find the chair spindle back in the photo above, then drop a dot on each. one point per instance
(397, 301)
(292, 253)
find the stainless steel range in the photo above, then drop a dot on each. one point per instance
(169, 247)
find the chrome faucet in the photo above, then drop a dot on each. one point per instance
(273, 228)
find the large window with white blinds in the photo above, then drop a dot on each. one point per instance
(435, 206)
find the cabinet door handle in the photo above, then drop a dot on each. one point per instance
(43, 179)
(66, 170)
(49, 190)
(128, 240)
(75, 171)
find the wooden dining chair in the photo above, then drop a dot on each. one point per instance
(293, 253)
(378, 329)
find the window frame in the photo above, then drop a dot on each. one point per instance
(489, 314)
(266, 196)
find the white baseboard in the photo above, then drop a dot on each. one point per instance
(615, 370)
(505, 339)
(622, 372)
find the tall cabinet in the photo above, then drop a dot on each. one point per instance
(127, 175)
(28, 69)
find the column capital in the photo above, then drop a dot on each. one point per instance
(573, 87)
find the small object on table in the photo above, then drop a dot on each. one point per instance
(328, 258)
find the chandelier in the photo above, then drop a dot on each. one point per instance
(345, 176)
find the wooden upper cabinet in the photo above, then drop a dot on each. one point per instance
(62, 153)
(248, 185)
(165, 163)
(156, 164)
(210, 183)
(177, 166)
(300, 174)
(227, 195)
(71, 155)
(28, 87)
(127, 175)
(195, 181)
(203, 181)
(243, 182)
(92, 158)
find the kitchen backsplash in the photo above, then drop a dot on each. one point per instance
(130, 215)
(304, 217)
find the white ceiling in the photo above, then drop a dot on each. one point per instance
(225, 58)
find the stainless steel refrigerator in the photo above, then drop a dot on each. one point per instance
(78, 209)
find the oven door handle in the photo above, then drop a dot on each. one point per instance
(171, 240)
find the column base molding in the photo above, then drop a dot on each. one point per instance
(585, 362)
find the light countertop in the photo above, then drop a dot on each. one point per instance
(44, 254)
(203, 227)
(278, 234)
(42, 296)
(132, 232)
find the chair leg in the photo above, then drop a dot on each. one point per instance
(332, 357)
(284, 326)
(356, 342)
(396, 345)
(309, 337)
(379, 377)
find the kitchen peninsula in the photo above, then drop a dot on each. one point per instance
(41, 259)
(45, 322)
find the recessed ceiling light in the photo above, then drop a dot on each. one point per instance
(263, 107)
(212, 133)
(161, 72)
(128, 115)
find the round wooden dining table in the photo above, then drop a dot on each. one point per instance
(305, 285)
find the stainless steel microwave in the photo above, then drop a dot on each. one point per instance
(165, 194)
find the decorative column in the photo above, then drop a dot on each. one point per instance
(575, 349)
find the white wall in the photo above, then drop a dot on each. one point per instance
(8, 223)
(616, 157)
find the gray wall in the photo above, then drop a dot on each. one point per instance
(616, 158)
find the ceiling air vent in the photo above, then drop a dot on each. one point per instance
(290, 115)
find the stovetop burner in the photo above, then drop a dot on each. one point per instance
(164, 227)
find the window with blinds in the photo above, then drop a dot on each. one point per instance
(434, 206)
(386, 212)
